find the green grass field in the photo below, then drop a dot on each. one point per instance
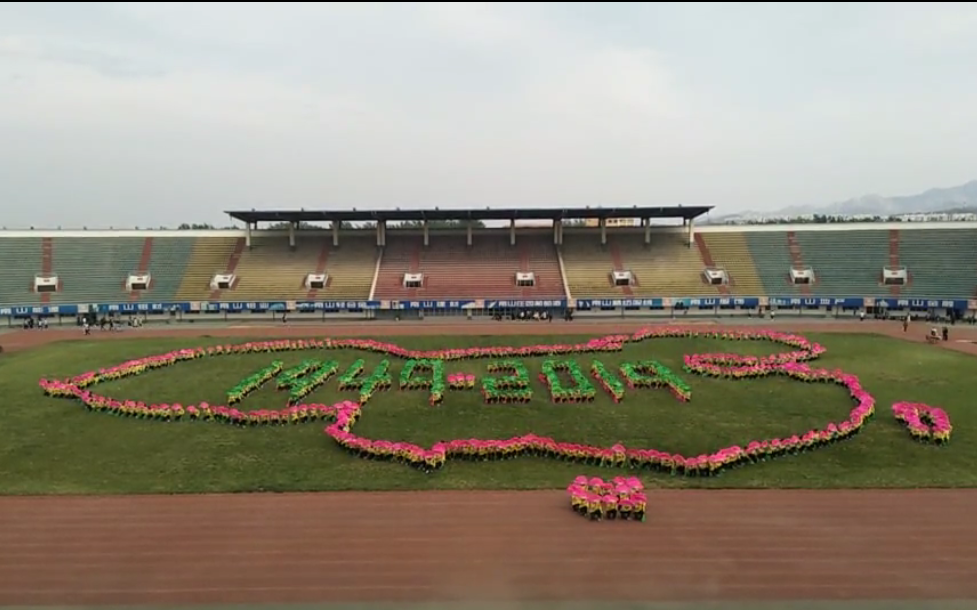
(52, 445)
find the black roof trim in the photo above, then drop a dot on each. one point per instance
(354, 215)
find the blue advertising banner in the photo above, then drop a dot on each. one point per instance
(710, 302)
(526, 304)
(451, 305)
(615, 303)
(135, 307)
(336, 305)
(75, 309)
(24, 310)
(922, 303)
(649, 303)
(792, 301)
(237, 307)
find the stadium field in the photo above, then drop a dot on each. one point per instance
(58, 446)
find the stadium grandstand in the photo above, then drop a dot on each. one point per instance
(600, 259)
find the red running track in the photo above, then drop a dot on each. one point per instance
(486, 546)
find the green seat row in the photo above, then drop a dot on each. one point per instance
(20, 262)
(846, 262)
(170, 256)
(771, 256)
(942, 263)
(94, 270)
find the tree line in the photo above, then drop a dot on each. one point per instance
(818, 219)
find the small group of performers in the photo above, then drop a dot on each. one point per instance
(619, 498)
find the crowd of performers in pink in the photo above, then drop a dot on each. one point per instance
(619, 498)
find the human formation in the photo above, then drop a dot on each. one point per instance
(924, 422)
(619, 498)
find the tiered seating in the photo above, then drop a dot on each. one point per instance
(453, 270)
(731, 252)
(210, 256)
(20, 261)
(350, 267)
(539, 256)
(846, 263)
(771, 256)
(667, 267)
(271, 270)
(94, 269)
(942, 263)
(401, 255)
(167, 265)
(588, 266)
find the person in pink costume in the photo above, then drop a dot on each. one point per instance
(625, 508)
(608, 504)
(594, 507)
(640, 505)
(578, 498)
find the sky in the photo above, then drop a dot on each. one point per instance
(150, 114)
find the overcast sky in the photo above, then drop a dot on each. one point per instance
(138, 114)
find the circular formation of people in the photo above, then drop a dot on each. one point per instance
(619, 498)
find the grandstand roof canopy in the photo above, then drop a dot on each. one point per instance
(354, 215)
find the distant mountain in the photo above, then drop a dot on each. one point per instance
(954, 199)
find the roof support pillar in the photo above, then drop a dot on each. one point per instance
(469, 231)
(381, 233)
(557, 229)
(291, 234)
(691, 233)
(427, 237)
(247, 234)
(647, 223)
(335, 233)
(602, 222)
(512, 231)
